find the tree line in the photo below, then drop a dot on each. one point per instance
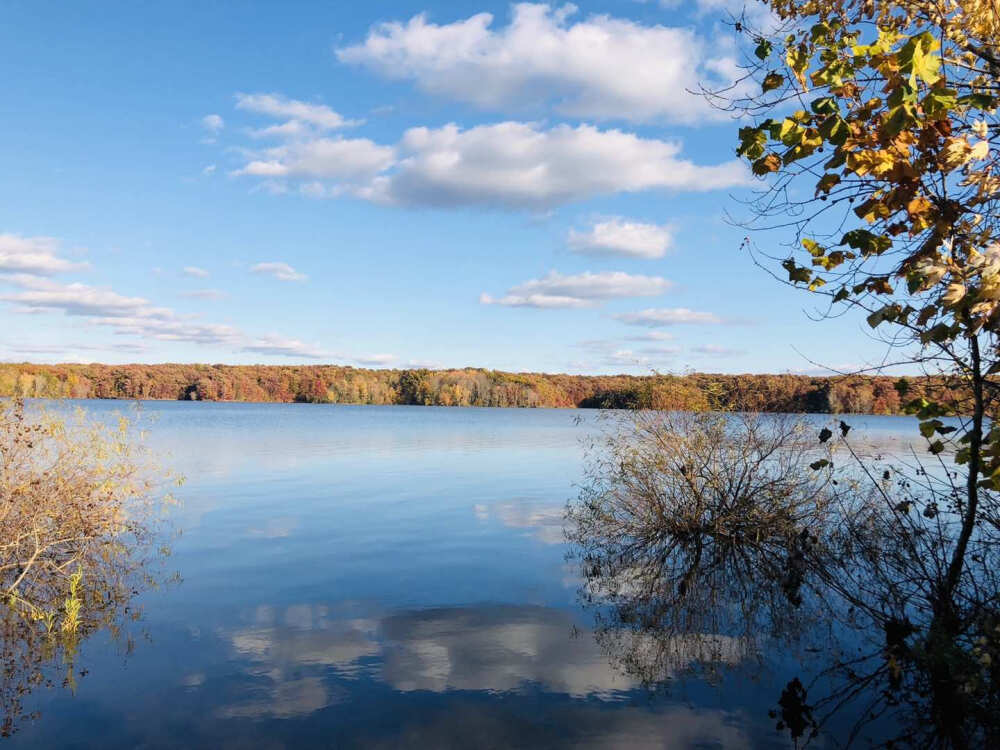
(463, 387)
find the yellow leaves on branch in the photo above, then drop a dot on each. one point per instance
(957, 152)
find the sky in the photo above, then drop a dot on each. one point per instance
(527, 187)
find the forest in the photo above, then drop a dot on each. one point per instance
(462, 387)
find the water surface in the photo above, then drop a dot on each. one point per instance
(359, 576)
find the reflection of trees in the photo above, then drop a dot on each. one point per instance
(700, 536)
(77, 532)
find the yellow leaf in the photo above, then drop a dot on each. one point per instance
(953, 294)
(980, 151)
(954, 154)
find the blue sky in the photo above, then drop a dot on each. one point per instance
(397, 184)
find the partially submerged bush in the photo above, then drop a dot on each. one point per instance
(703, 536)
(78, 526)
(692, 525)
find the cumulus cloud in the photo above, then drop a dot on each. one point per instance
(33, 255)
(522, 165)
(213, 123)
(599, 67)
(278, 270)
(299, 116)
(347, 160)
(654, 317)
(507, 164)
(618, 236)
(580, 290)
(195, 272)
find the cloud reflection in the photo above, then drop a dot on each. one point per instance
(295, 661)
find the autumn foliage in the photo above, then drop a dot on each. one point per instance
(460, 387)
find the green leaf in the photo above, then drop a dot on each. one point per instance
(763, 50)
(791, 132)
(752, 142)
(940, 102)
(928, 428)
(978, 101)
(867, 242)
(917, 59)
(835, 130)
(817, 465)
(900, 118)
(824, 106)
(936, 447)
(825, 435)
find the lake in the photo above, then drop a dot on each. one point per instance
(365, 576)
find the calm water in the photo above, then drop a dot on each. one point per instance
(382, 577)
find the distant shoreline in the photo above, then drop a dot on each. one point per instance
(457, 387)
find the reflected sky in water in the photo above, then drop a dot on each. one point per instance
(382, 577)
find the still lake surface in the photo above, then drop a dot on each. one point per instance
(366, 576)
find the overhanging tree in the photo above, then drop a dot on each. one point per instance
(873, 128)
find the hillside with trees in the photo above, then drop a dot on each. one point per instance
(459, 387)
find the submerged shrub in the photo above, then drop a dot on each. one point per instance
(79, 523)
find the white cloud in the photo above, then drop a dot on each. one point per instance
(318, 116)
(521, 165)
(599, 67)
(277, 345)
(137, 316)
(579, 290)
(352, 160)
(611, 353)
(667, 316)
(33, 255)
(195, 272)
(45, 295)
(507, 164)
(213, 123)
(628, 358)
(278, 270)
(618, 236)
(175, 330)
(209, 170)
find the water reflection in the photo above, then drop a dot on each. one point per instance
(489, 648)
(393, 577)
(707, 540)
(302, 659)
